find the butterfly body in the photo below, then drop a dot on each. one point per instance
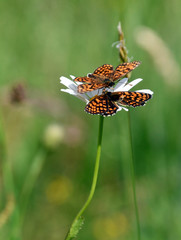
(104, 76)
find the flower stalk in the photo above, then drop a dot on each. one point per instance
(132, 168)
(78, 221)
(123, 53)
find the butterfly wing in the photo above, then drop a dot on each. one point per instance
(83, 79)
(88, 87)
(102, 77)
(105, 70)
(97, 82)
(133, 99)
(124, 69)
(101, 105)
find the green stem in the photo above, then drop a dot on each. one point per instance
(124, 57)
(77, 223)
(133, 178)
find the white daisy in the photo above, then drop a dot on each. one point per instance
(121, 86)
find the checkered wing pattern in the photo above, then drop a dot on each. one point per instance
(88, 87)
(104, 76)
(124, 69)
(83, 79)
(96, 80)
(105, 70)
(101, 105)
(133, 99)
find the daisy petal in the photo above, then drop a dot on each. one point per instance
(146, 91)
(119, 109)
(70, 91)
(132, 84)
(80, 96)
(68, 83)
(125, 109)
(84, 97)
(93, 93)
(73, 77)
(119, 87)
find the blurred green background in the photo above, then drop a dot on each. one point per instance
(42, 189)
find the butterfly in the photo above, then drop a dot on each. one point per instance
(108, 103)
(104, 76)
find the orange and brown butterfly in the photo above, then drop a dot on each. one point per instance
(108, 103)
(104, 76)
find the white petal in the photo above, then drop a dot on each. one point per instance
(70, 91)
(95, 92)
(131, 84)
(119, 109)
(90, 94)
(65, 80)
(73, 77)
(80, 96)
(146, 91)
(125, 109)
(68, 83)
(83, 96)
(120, 85)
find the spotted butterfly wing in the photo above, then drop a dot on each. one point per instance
(108, 103)
(96, 80)
(83, 79)
(104, 76)
(88, 87)
(133, 99)
(105, 70)
(124, 69)
(101, 105)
